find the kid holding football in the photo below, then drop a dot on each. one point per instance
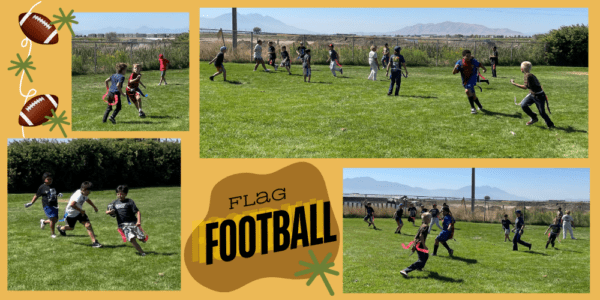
(129, 218)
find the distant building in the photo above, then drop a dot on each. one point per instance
(100, 35)
(93, 35)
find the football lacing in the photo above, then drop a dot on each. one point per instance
(36, 102)
(42, 21)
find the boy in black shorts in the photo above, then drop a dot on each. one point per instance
(272, 55)
(536, 95)
(398, 218)
(218, 61)
(129, 218)
(116, 89)
(412, 213)
(285, 56)
(370, 217)
(49, 202)
(506, 227)
(419, 243)
(554, 232)
(76, 213)
(519, 228)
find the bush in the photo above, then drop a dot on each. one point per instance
(105, 162)
(568, 46)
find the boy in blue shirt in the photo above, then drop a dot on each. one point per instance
(506, 227)
(519, 227)
(446, 234)
(396, 63)
(468, 68)
(116, 89)
(306, 65)
(49, 202)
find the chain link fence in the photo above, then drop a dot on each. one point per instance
(102, 57)
(354, 50)
(491, 211)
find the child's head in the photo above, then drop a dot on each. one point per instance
(445, 211)
(505, 217)
(494, 47)
(259, 42)
(330, 46)
(518, 212)
(435, 205)
(270, 43)
(386, 45)
(137, 68)
(47, 178)
(373, 48)
(283, 48)
(85, 188)
(426, 218)
(559, 208)
(121, 68)
(122, 191)
(466, 54)
(397, 49)
(223, 49)
(568, 212)
(526, 67)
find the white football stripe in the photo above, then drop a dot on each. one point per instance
(51, 36)
(25, 18)
(52, 100)
(26, 118)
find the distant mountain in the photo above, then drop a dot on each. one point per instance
(249, 21)
(143, 29)
(453, 28)
(368, 185)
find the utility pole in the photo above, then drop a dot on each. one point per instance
(473, 190)
(234, 26)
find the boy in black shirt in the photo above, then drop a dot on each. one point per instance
(370, 217)
(494, 61)
(301, 51)
(272, 55)
(554, 231)
(306, 65)
(129, 218)
(412, 213)
(536, 95)
(49, 202)
(398, 218)
(506, 227)
(419, 243)
(114, 92)
(218, 60)
(333, 61)
(285, 56)
(519, 227)
(434, 217)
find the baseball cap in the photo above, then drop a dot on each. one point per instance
(397, 48)
(223, 48)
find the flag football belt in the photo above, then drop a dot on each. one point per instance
(105, 97)
(130, 226)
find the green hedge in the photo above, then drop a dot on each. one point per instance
(107, 163)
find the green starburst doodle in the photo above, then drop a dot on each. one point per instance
(22, 66)
(317, 269)
(62, 19)
(54, 120)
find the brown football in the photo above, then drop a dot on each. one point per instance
(38, 28)
(36, 109)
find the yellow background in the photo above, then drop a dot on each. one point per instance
(53, 73)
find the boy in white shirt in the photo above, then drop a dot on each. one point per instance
(373, 63)
(76, 213)
(258, 56)
(567, 223)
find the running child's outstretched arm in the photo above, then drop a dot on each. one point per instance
(512, 81)
(89, 201)
(547, 229)
(106, 82)
(456, 69)
(139, 218)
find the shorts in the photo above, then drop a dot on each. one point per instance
(471, 85)
(411, 219)
(307, 72)
(71, 221)
(129, 232)
(368, 218)
(220, 68)
(285, 64)
(443, 236)
(399, 220)
(506, 231)
(163, 73)
(51, 211)
(132, 92)
(257, 57)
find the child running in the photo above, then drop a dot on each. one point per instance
(306, 65)
(370, 217)
(49, 202)
(536, 95)
(506, 227)
(396, 63)
(398, 218)
(373, 63)
(419, 243)
(519, 227)
(76, 213)
(301, 51)
(129, 218)
(258, 56)
(468, 68)
(446, 233)
(554, 232)
(285, 56)
(434, 217)
(164, 65)
(385, 56)
(334, 58)
(272, 55)
(218, 61)
(116, 89)
(412, 213)
(133, 89)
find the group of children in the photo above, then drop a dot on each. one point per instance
(430, 218)
(124, 209)
(132, 90)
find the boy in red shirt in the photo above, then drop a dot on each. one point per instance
(164, 65)
(133, 90)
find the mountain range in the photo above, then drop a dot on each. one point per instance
(453, 28)
(249, 21)
(368, 185)
(143, 29)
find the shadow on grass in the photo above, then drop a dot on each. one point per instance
(535, 252)
(233, 82)
(437, 276)
(320, 82)
(103, 246)
(566, 250)
(516, 115)
(73, 235)
(139, 122)
(421, 97)
(171, 84)
(568, 129)
(160, 117)
(465, 260)
(163, 253)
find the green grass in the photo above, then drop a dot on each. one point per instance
(38, 262)
(166, 108)
(259, 114)
(482, 263)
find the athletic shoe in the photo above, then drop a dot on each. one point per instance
(62, 232)
(473, 111)
(142, 114)
(435, 254)
(369, 225)
(530, 247)
(96, 244)
(480, 108)
(42, 224)
(451, 252)
(53, 236)
(404, 273)
(112, 120)
(374, 227)
(211, 78)
(143, 254)
(389, 94)
(532, 121)
(267, 70)
(342, 71)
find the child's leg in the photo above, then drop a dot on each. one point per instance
(420, 264)
(257, 63)
(471, 97)
(53, 222)
(137, 246)
(398, 82)
(392, 82)
(90, 231)
(527, 101)
(224, 73)
(117, 109)
(397, 228)
(106, 113)
(541, 105)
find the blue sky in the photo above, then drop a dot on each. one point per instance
(344, 20)
(91, 21)
(537, 184)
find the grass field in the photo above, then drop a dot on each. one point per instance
(259, 114)
(482, 262)
(166, 108)
(38, 262)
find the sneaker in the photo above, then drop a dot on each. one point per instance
(389, 94)
(267, 70)
(435, 254)
(451, 252)
(96, 244)
(374, 227)
(532, 121)
(62, 232)
(342, 71)
(42, 224)
(473, 111)
(143, 254)
(404, 273)
(480, 108)
(211, 78)
(53, 236)
(112, 120)
(142, 114)
(530, 247)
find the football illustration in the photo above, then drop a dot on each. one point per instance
(36, 109)
(38, 28)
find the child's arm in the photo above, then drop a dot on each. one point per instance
(110, 212)
(34, 199)
(405, 70)
(213, 60)
(135, 79)
(107, 81)
(89, 201)
(456, 69)
(512, 81)
(120, 87)
(74, 206)
(142, 83)
(139, 218)
(547, 229)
